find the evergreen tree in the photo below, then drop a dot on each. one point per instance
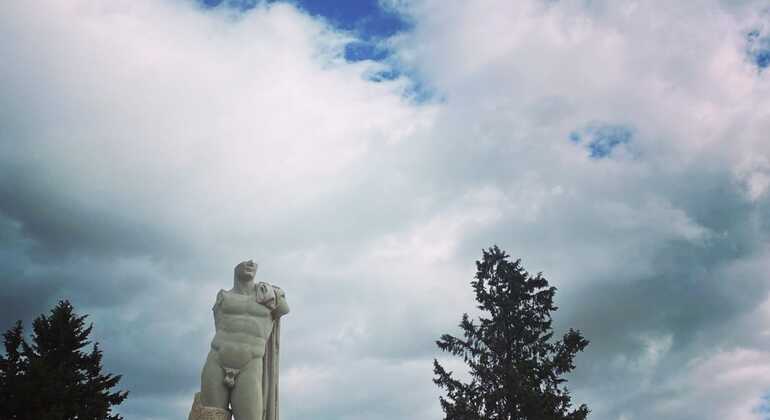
(515, 367)
(54, 378)
(12, 368)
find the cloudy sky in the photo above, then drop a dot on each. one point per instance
(364, 153)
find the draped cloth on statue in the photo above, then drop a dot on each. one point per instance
(270, 373)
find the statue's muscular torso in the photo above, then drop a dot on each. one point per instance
(243, 325)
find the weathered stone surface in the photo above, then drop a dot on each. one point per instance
(199, 412)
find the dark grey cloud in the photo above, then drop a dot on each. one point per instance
(54, 214)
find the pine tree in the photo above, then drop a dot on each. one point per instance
(515, 367)
(54, 378)
(12, 368)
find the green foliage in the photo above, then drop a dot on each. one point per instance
(515, 367)
(53, 378)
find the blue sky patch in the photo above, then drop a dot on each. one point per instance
(601, 139)
(575, 137)
(764, 408)
(365, 18)
(357, 51)
(758, 48)
(367, 21)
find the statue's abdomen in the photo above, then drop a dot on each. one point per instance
(234, 354)
(243, 327)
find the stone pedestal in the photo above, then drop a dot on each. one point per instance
(201, 412)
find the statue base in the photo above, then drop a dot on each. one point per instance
(201, 412)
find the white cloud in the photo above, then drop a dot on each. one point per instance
(727, 384)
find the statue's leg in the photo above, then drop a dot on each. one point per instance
(246, 397)
(214, 392)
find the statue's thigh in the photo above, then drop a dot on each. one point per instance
(246, 396)
(214, 392)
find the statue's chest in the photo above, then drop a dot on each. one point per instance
(237, 304)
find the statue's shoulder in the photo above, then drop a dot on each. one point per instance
(265, 284)
(279, 292)
(258, 283)
(219, 299)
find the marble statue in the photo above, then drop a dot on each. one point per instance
(240, 376)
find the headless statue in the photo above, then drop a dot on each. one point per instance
(240, 375)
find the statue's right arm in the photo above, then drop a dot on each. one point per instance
(217, 306)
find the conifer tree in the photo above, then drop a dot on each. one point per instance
(54, 378)
(515, 367)
(12, 368)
